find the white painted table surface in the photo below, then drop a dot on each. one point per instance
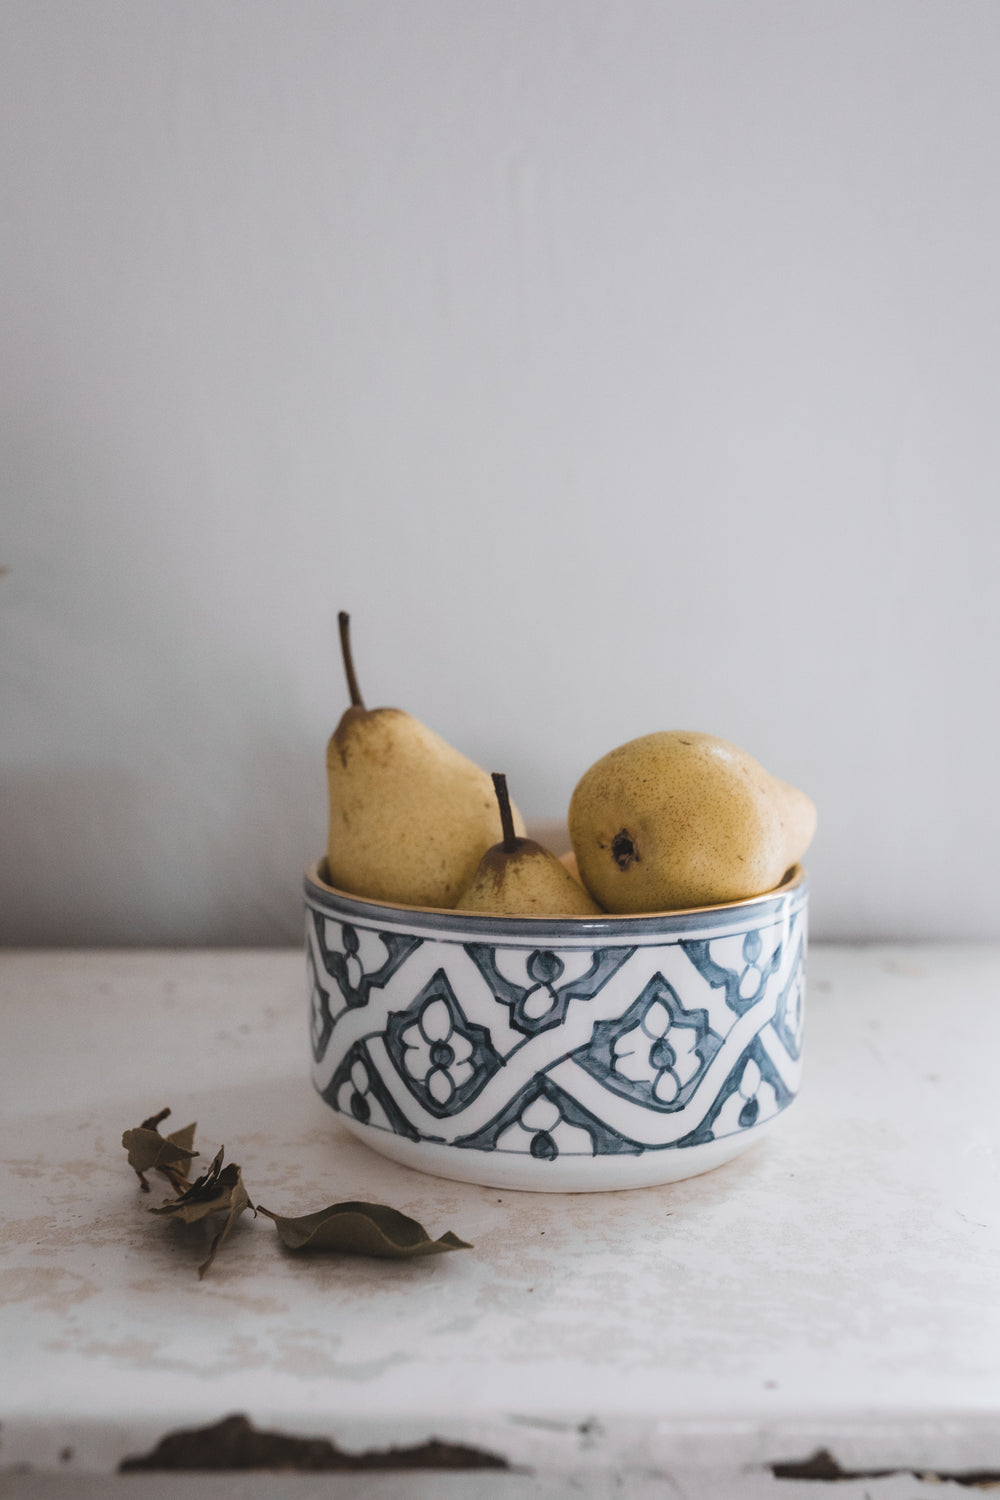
(838, 1287)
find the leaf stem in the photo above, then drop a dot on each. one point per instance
(344, 624)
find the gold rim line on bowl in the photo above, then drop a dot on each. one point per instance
(793, 877)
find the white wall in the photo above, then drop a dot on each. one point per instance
(620, 365)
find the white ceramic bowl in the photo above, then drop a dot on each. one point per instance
(557, 1054)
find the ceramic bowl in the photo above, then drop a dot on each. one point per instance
(556, 1054)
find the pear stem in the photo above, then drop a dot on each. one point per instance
(506, 816)
(344, 624)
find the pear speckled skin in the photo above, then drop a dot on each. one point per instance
(526, 881)
(679, 819)
(410, 817)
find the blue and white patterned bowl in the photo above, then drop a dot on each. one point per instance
(557, 1054)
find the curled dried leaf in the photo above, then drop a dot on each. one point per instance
(220, 1190)
(149, 1151)
(362, 1229)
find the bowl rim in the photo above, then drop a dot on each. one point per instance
(794, 879)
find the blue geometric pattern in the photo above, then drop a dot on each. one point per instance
(444, 1059)
(346, 963)
(356, 1089)
(745, 982)
(754, 1090)
(320, 1015)
(581, 1050)
(544, 1120)
(544, 1000)
(656, 1053)
(788, 1012)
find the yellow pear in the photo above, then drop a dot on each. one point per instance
(410, 817)
(520, 878)
(679, 819)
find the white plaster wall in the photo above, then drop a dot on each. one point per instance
(619, 365)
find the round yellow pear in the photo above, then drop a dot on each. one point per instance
(521, 878)
(680, 819)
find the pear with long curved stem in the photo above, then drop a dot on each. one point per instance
(520, 878)
(410, 816)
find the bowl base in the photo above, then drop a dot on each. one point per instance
(566, 1174)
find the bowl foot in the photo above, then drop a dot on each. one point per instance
(565, 1174)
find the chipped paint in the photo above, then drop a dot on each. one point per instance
(234, 1443)
(823, 1468)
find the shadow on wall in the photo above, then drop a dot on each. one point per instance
(102, 858)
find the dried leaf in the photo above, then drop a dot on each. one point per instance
(184, 1138)
(362, 1229)
(149, 1151)
(220, 1190)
